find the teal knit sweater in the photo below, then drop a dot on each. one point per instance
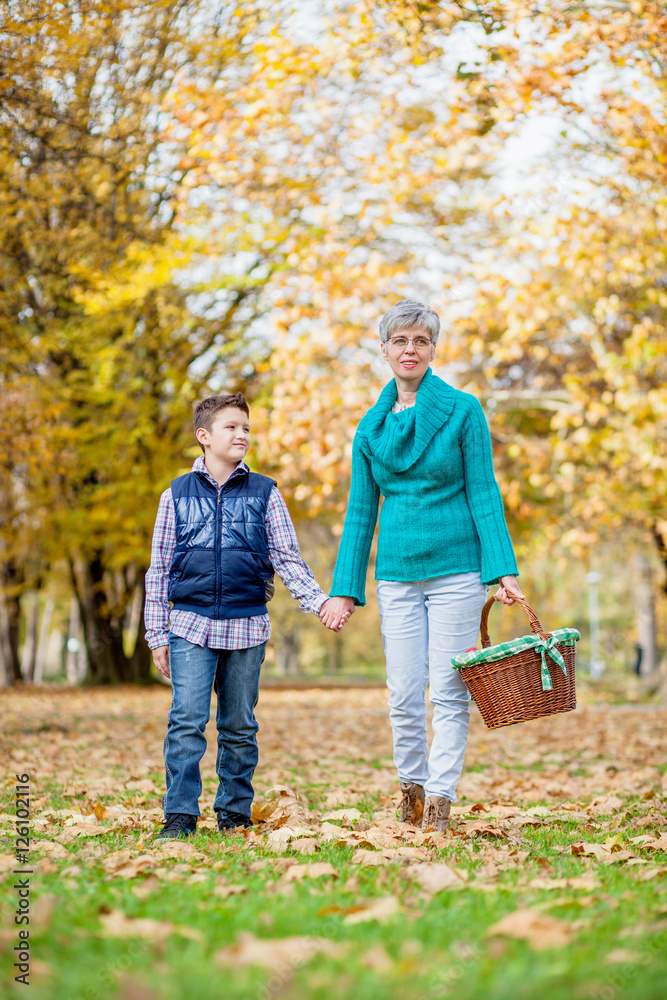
(442, 510)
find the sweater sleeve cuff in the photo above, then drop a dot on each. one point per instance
(491, 575)
(358, 598)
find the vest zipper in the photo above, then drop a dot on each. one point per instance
(218, 559)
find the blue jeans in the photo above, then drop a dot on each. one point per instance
(424, 624)
(233, 674)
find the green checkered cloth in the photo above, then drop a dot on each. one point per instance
(546, 647)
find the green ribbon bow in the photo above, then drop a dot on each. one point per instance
(549, 646)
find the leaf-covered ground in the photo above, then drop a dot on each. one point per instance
(551, 883)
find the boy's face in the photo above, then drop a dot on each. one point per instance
(229, 437)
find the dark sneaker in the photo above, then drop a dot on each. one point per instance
(177, 825)
(230, 820)
(412, 802)
(436, 813)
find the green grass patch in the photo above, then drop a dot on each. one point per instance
(433, 947)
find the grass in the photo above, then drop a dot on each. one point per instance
(437, 947)
(434, 946)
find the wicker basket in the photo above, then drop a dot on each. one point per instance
(526, 684)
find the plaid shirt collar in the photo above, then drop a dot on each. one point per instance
(199, 465)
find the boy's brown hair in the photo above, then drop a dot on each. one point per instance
(208, 409)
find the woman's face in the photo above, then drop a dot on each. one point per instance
(409, 353)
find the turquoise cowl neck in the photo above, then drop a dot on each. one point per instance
(398, 440)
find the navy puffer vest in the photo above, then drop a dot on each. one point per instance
(221, 564)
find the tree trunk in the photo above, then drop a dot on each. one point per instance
(29, 652)
(10, 618)
(103, 635)
(7, 677)
(660, 536)
(73, 655)
(646, 625)
(287, 653)
(43, 641)
(102, 620)
(336, 653)
(142, 658)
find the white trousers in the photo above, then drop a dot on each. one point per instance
(424, 624)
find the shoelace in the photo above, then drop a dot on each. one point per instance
(433, 812)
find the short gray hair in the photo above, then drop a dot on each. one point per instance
(408, 313)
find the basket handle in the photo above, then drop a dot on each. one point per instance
(534, 621)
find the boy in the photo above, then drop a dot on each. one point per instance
(220, 532)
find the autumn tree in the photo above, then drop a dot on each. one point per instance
(196, 197)
(568, 328)
(99, 335)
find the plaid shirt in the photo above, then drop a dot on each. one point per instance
(226, 633)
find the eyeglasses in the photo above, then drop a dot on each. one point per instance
(421, 343)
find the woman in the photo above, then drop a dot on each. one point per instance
(426, 448)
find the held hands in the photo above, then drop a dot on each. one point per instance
(335, 612)
(161, 660)
(508, 590)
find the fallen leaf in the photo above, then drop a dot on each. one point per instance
(346, 815)
(621, 956)
(176, 849)
(69, 834)
(341, 796)
(145, 785)
(575, 882)
(375, 837)
(373, 859)
(379, 909)
(75, 820)
(224, 891)
(50, 848)
(144, 889)
(121, 864)
(305, 845)
(657, 845)
(613, 842)
(41, 911)
(317, 869)
(276, 954)
(538, 929)
(278, 839)
(436, 877)
(278, 807)
(581, 849)
(481, 828)
(137, 866)
(489, 869)
(604, 805)
(648, 874)
(329, 832)
(257, 866)
(377, 959)
(118, 924)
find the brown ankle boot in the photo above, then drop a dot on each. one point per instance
(412, 802)
(436, 813)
